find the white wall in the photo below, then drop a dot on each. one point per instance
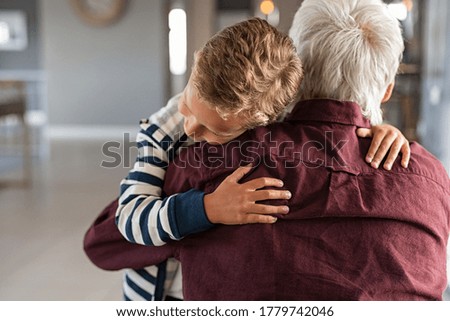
(113, 75)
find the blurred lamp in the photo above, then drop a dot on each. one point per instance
(267, 7)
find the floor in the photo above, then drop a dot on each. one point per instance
(42, 227)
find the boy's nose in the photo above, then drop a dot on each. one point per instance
(192, 127)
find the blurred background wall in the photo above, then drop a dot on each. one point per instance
(103, 76)
(434, 124)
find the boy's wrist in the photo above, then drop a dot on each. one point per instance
(191, 214)
(209, 205)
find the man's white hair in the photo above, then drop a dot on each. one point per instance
(350, 50)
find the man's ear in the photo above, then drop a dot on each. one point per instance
(388, 93)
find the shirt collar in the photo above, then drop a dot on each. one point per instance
(328, 110)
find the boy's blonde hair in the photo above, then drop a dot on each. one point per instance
(250, 70)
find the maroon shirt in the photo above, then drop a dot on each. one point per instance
(353, 232)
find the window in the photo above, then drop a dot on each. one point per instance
(177, 41)
(13, 30)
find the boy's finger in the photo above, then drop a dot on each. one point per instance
(364, 132)
(270, 194)
(374, 147)
(268, 209)
(406, 154)
(257, 218)
(382, 151)
(261, 182)
(393, 153)
(240, 172)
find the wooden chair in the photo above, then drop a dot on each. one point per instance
(13, 102)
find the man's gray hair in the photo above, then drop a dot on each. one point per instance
(350, 50)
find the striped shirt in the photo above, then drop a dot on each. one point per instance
(144, 216)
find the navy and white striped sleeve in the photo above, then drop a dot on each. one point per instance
(143, 216)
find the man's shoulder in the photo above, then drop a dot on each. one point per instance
(426, 165)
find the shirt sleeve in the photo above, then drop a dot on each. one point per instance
(143, 216)
(105, 246)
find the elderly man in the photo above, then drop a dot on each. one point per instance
(353, 233)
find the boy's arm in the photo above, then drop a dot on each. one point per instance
(143, 216)
(109, 250)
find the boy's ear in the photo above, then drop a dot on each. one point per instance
(388, 93)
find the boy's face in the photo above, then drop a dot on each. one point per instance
(203, 123)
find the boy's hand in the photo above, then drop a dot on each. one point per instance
(233, 203)
(385, 138)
